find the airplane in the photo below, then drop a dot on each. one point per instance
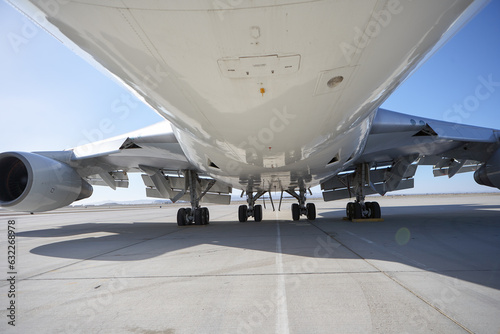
(261, 96)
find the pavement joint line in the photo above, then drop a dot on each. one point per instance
(397, 282)
(198, 276)
(230, 275)
(95, 256)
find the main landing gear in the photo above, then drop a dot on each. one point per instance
(360, 209)
(195, 214)
(255, 211)
(252, 210)
(363, 210)
(301, 209)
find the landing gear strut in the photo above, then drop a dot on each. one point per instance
(195, 214)
(301, 208)
(360, 209)
(252, 210)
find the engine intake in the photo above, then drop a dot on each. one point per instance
(30, 182)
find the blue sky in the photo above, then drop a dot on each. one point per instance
(50, 99)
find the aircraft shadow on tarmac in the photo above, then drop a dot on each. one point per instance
(460, 241)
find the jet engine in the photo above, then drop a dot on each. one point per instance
(30, 182)
(489, 173)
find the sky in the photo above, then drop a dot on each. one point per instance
(50, 99)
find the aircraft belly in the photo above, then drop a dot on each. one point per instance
(278, 90)
(276, 170)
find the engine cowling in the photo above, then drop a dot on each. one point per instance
(489, 173)
(30, 182)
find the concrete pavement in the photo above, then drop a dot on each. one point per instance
(433, 265)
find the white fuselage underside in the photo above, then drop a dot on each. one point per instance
(267, 94)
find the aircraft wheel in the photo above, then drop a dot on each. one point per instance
(181, 217)
(295, 211)
(375, 210)
(198, 216)
(205, 216)
(257, 213)
(356, 211)
(311, 211)
(242, 213)
(349, 210)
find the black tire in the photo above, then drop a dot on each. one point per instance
(349, 210)
(198, 216)
(376, 212)
(205, 216)
(295, 211)
(356, 211)
(242, 213)
(257, 213)
(311, 211)
(181, 217)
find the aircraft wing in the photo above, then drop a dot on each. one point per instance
(399, 143)
(154, 147)
(57, 178)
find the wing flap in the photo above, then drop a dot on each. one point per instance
(450, 148)
(332, 195)
(175, 187)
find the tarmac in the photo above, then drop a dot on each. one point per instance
(432, 265)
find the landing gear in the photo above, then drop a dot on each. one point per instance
(361, 209)
(182, 217)
(201, 216)
(373, 209)
(257, 213)
(243, 213)
(195, 214)
(252, 210)
(185, 216)
(301, 208)
(295, 211)
(311, 211)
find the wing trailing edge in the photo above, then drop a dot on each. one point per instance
(399, 143)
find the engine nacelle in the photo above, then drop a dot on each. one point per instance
(33, 183)
(489, 173)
